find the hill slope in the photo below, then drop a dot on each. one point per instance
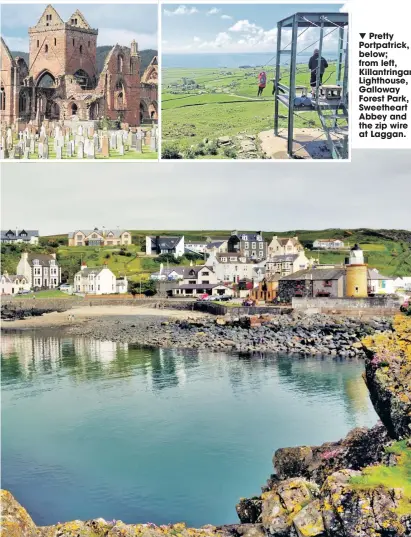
(102, 51)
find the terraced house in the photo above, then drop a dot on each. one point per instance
(29, 236)
(251, 245)
(99, 237)
(40, 270)
(98, 281)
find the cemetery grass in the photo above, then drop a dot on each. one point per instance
(225, 105)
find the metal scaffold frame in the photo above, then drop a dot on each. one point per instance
(336, 136)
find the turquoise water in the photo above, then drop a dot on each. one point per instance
(100, 429)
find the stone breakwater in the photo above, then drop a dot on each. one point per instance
(293, 333)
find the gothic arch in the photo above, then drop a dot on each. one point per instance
(45, 79)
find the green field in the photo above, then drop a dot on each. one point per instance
(52, 293)
(224, 104)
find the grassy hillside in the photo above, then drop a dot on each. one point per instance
(389, 251)
(224, 104)
(146, 57)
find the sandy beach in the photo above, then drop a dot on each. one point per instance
(87, 313)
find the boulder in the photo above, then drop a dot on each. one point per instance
(15, 521)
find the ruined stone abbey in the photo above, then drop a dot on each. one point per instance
(62, 82)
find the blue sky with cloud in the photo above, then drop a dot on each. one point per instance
(245, 28)
(117, 23)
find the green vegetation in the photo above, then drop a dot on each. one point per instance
(223, 102)
(51, 293)
(391, 477)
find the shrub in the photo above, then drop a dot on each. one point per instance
(212, 148)
(190, 153)
(171, 152)
(230, 152)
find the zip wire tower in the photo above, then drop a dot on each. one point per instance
(329, 101)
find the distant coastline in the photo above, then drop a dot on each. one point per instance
(223, 60)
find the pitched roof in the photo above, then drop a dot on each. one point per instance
(373, 274)
(281, 258)
(104, 232)
(43, 259)
(166, 242)
(11, 235)
(316, 274)
(92, 270)
(215, 244)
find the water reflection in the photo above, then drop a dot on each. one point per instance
(27, 356)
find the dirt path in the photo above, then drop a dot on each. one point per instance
(86, 313)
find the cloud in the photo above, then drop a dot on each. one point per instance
(367, 173)
(196, 39)
(246, 27)
(213, 11)
(226, 17)
(181, 10)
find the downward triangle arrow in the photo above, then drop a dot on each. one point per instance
(362, 35)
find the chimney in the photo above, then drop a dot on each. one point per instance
(53, 256)
(83, 266)
(234, 232)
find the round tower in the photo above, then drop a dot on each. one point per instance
(356, 274)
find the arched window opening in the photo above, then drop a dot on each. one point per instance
(46, 48)
(2, 99)
(73, 42)
(81, 49)
(74, 109)
(46, 80)
(82, 78)
(119, 63)
(23, 102)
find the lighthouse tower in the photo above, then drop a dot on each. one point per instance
(356, 274)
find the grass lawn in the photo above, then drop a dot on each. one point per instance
(225, 104)
(391, 477)
(51, 293)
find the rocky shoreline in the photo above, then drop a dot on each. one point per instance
(286, 334)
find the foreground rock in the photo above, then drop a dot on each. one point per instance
(388, 376)
(288, 333)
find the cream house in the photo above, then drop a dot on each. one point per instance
(286, 264)
(40, 270)
(12, 284)
(284, 246)
(98, 281)
(99, 237)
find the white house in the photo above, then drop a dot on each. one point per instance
(165, 245)
(27, 236)
(40, 270)
(191, 289)
(12, 284)
(379, 284)
(403, 283)
(98, 281)
(198, 247)
(233, 267)
(328, 244)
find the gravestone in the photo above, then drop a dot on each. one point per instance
(153, 144)
(40, 149)
(121, 150)
(26, 154)
(104, 147)
(80, 130)
(113, 142)
(59, 152)
(139, 145)
(69, 150)
(46, 149)
(80, 150)
(32, 145)
(91, 151)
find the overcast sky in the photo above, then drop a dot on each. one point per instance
(116, 23)
(374, 190)
(241, 28)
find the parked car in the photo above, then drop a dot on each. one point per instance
(203, 297)
(24, 292)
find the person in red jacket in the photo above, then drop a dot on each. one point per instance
(262, 81)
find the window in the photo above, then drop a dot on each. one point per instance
(48, 17)
(81, 49)
(46, 48)
(119, 63)
(233, 259)
(2, 99)
(73, 42)
(253, 246)
(246, 245)
(38, 43)
(79, 237)
(261, 245)
(73, 21)
(224, 259)
(88, 44)
(55, 41)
